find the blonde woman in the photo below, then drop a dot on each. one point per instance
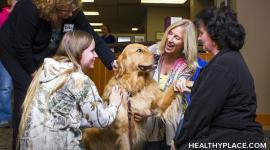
(33, 32)
(61, 98)
(178, 60)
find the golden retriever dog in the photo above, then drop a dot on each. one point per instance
(134, 77)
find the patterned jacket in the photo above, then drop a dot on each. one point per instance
(55, 119)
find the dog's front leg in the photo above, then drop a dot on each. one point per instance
(169, 96)
(123, 141)
(166, 99)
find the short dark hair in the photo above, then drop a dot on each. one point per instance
(223, 27)
(108, 28)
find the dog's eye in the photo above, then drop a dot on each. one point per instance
(139, 50)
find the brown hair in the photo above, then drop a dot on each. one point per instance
(47, 8)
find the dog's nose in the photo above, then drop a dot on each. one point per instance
(156, 58)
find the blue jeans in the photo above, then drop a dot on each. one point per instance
(5, 94)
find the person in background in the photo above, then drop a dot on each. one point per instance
(177, 59)
(62, 99)
(223, 98)
(106, 34)
(5, 79)
(33, 32)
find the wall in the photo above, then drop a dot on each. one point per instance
(198, 5)
(254, 15)
(131, 35)
(156, 17)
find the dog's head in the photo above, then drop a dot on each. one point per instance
(135, 58)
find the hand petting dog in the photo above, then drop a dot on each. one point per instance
(182, 86)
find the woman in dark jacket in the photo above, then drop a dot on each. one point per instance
(223, 100)
(31, 33)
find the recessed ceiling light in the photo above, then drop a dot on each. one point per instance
(91, 13)
(134, 29)
(96, 24)
(85, 1)
(97, 30)
(164, 1)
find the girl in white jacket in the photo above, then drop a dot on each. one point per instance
(61, 98)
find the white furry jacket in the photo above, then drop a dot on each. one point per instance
(55, 120)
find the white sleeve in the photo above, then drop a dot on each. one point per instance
(94, 111)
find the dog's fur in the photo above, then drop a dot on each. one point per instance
(135, 80)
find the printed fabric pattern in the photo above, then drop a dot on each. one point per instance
(55, 119)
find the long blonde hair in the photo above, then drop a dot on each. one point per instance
(70, 50)
(48, 8)
(190, 41)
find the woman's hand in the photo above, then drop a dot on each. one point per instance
(138, 117)
(116, 96)
(183, 85)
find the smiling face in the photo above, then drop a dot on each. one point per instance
(88, 57)
(175, 41)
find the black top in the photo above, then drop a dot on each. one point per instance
(223, 100)
(27, 36)
(109, 39)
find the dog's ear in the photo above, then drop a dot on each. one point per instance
(121, 67)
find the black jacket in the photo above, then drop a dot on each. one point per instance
(223, 101)
(26, 36)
